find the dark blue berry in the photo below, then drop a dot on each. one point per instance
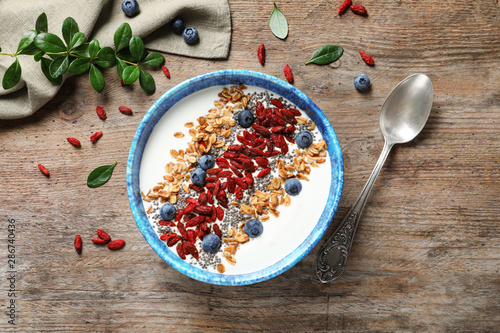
(206, 162)
(293, 186)
(304, 139)
(198, 176)
(362, 82)
(245, 118)
(178, 26)
(253, 228)
(130, 7)
(190, 35)
(167, 212)
(211, 243)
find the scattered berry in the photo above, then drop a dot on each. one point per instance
(343, 6)
(261, 54)
(75, 142)
(190, 35)
(168, 211)
(178, 26)
(359, 9)
(293, 186)
(101, 112)
(78, 244)
(288, 73)
(362, 82)
(125, 110)
(43, 170)
(211, 243)
(130, 7)
(206, 162)
(304, 139)
(253, 228)
(166, 71)
(198, 176)
(366, 58)
(116, 244)
(245, 118)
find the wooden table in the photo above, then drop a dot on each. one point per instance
(426, 256)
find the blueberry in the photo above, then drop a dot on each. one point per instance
(198, 176)
(130, 7)
(304, 139)
(253, 228)
(167, 212)
(211, 243)
(190, 35)
(293, 186)
(206, 162)
(245, 118)
(362, 82)
(178, 26)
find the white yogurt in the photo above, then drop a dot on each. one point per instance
(281, 235)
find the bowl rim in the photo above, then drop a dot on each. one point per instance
(228, 77)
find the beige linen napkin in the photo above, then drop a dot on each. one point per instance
(99, 19)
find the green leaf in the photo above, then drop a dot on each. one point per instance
(79, 66)
(49, 42)
(59, 66)
(41, 24)
(12, 75)
(106, 57)
(77, 40)
(122, 37)
(136, 47)
(30, 50)
(45, 64)
(96, 78)
(153, 59)
(26, 40)
(100, 175)
(120, 67)
(278, 23)
(131, 74)
(326, 55)
(82, 50)
(38, 56)
(69, 29)
(147, 82)
(93, 48)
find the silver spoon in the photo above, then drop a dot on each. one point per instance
(402, 117)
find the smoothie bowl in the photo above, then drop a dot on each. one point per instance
(234, 176)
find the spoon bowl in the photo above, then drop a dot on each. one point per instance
(402, 117)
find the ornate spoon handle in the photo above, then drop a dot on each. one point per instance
(333, 256)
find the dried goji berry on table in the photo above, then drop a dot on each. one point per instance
(368, 59)
(343, 6)
(288, 73)
(99, 241)
(116, 244)
(94, 137)
(166, 71)
(43, 170)
(103, 234)
(261, 53)
(78, 244)
(359, 9)
(125, 110)
(100, 112)
(180, 251)
(75, 142)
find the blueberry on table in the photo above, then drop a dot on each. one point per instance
(168, 211)
(293, 186)
(362, 82)
(211, 243)
(304, 139)
(178, 26)
(245, 118)
(198, 176)
(206, 162)
(130, 7)
(190, 35)
(253, 228)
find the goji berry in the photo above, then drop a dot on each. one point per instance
(191, 235)
(188, 216)
(103, 234)
(220, 213)
(263, 172)
(217, 230)
(288, 73)
(192, 201)
(261, 53)
(261, 130)
(100, 112)
(203, 199)
(166, 71)
(191, 249)
(167, 223)
(116, 244)
(96, 136)
(204, 210)
(277, 103)
(189, 208)
(192, 223)
(180, 251)
(172, 241)
(236, 171)
(99, 241)
(196, 188)
(43, 170)
(359, 9)
(125, 110)
(213, 171)
(225, 174)
(343, 6)
(167, 236)
(178, 215)
(78, 244)
(182, 229)
(74, 142)
(368, 59)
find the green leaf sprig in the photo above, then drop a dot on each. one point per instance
(278, 23)
(326, 55)
(100, 175)
(74, 55)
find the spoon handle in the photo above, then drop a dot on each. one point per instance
(333, 256)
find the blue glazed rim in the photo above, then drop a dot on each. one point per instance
(232, 77)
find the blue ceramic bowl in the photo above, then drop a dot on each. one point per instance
(233, 77)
